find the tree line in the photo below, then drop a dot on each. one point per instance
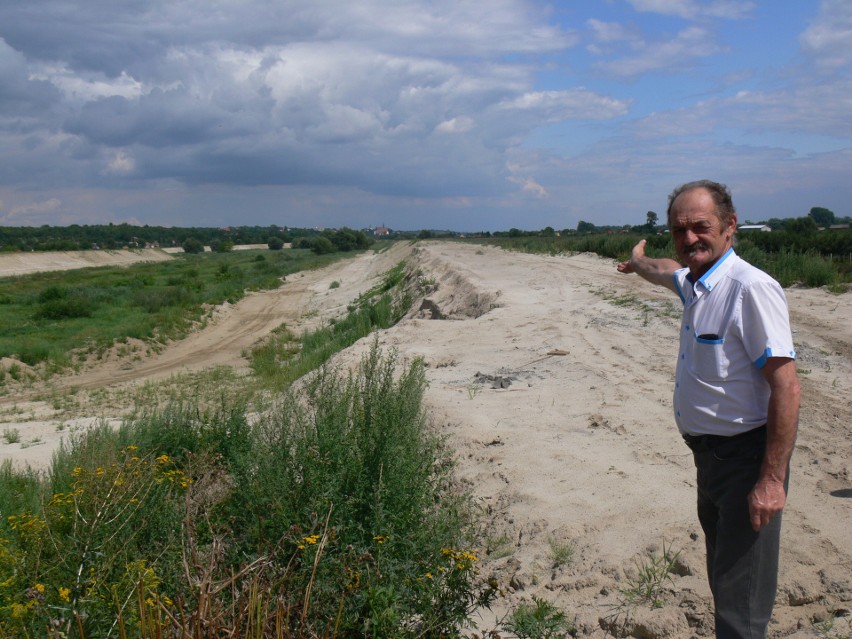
(79, 237)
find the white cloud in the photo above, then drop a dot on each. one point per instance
(77, 88)
(571, 104)
(530, 186)
(31, 208)
(694, 9)
(460, 124)
(829, 37)
(607, 32)
(670, 56)
(121, 164)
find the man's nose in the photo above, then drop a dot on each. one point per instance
(689, 237)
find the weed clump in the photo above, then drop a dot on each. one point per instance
(333, 514)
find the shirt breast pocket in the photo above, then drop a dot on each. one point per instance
(709, 360)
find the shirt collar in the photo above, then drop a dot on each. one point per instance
(713, 276)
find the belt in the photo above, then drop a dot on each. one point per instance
(699, 443)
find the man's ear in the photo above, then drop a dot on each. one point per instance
(732, 224)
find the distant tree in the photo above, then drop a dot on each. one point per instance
(586, 227)
(548, 231)
(322, 245)
(192, 245)
(513, 232)
(802, 226)
(221, 246)
(651, 220)
(425, 235)
(822, 216)
(275, 243)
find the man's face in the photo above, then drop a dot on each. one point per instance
(700, 237)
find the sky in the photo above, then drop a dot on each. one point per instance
(466, 115)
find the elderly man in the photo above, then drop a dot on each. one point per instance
(736, 399)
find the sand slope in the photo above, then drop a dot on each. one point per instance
(552, 378)
(23, 263)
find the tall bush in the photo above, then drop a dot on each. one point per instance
(332, 515)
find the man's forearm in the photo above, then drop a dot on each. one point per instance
(658, 271)
(768, 497)
(782, 427)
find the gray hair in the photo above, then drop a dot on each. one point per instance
(719, 192)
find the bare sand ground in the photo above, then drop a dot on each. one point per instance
(23, 263)
(551, 377)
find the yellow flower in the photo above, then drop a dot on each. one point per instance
(65, 594)
(40, 588)
(132, 447)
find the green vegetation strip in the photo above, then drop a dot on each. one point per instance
(58, 319)
(285, 357)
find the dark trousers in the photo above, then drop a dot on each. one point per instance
(742, 565)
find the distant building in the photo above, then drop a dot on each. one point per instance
(765, 228)
(839, 227)
(380, 231)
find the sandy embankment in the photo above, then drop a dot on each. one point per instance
(552, 378)
(35, 262)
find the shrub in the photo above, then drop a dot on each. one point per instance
(64, 308)
(333, 515)
(192, 246)
(322, 245)
(80, 560)
(52, 293)
(539, 620)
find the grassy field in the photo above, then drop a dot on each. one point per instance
(56, 320)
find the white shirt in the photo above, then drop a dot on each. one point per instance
(734, 318)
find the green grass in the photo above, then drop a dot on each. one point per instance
(46, 317)
(285, 357)
(653, 572)
(539, 619)
(561, 552)
(334, 513)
